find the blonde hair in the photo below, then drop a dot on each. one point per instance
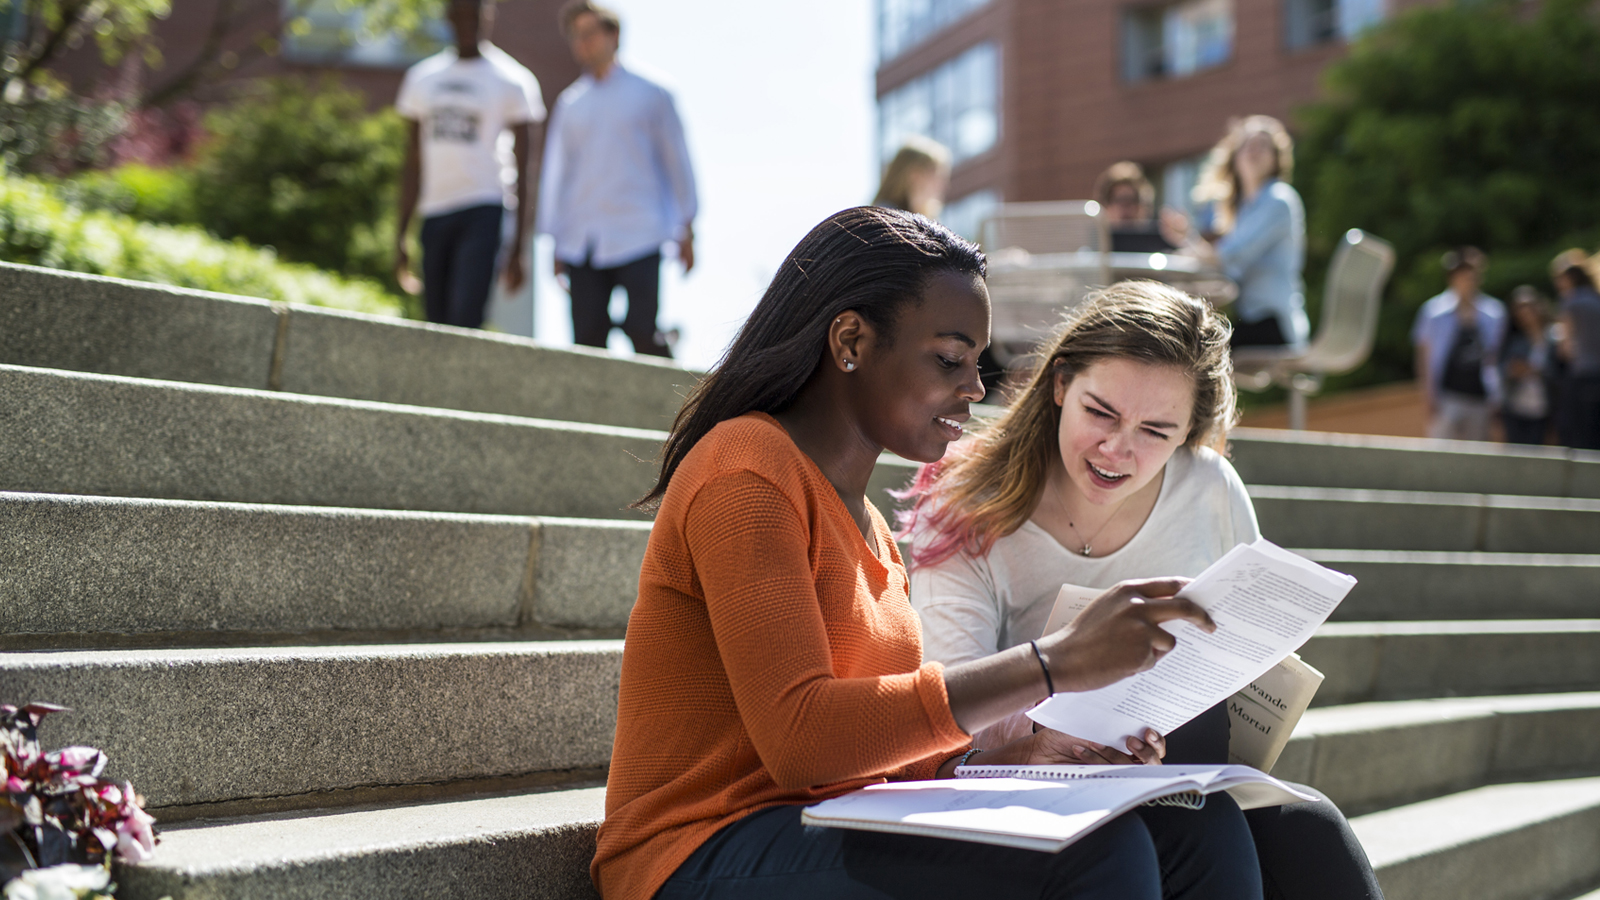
(985, 488)
(1219, 180)
(917, 154)
(1577, 262)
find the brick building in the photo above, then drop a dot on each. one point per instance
(1036, 97)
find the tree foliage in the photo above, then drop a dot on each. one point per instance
(1467, 123)
(38, 227)
(304, 168)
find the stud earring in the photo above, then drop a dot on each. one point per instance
(849, 365)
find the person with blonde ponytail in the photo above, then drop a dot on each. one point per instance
(1104, 469)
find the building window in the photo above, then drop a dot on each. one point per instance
(1176, 39)
(1311, 22)
(965, 215)
(902, 24)
(957, 104)
(330, 32)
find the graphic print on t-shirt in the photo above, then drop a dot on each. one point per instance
(457, 124)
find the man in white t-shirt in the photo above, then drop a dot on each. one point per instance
(470, 113)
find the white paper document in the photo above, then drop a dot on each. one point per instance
(1266, 602)
(1036, 807)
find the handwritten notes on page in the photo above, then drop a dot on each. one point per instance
(1266, 602)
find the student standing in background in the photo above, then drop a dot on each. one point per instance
(617, 185)
(1457, 337)
(470, 112)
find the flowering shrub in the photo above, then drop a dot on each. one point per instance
(60, 822)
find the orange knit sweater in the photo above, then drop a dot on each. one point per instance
(771, 659)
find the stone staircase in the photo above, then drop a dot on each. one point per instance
(344, 597)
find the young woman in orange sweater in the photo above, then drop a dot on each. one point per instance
(773, 658)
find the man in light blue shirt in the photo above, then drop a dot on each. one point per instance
(617, 185)
(1457, 336)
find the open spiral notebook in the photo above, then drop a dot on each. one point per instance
(1042, 808)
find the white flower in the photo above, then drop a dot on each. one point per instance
(64, 882)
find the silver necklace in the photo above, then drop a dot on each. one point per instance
(1088, 547)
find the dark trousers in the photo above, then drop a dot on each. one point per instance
(460, 256)
(1260, 333)
(1307, 850)
(591, 301)
(1153, 853)
(1523, 430)
(1578, 420)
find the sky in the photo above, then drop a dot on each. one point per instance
(777, 103)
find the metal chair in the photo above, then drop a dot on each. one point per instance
(1344, 337)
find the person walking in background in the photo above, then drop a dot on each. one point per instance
(916, 178)
(470, 112)
(1262, 224)
(1578, 422)
(1527, 369)
(617, 185)
(1457, 336)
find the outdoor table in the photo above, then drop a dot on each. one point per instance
(1030, 292)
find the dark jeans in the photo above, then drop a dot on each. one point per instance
(591, 301)
(1523, 430)
(1156, 852)
(1260, 333)
(1579, 419)
(1307, 850)
(460, 256)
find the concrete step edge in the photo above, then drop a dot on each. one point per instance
(113, 326)
(1365, 756)
(1500, 842)
(80, 433)
(236, 724)
(1370, 661)
(81, 564)
(534, 845)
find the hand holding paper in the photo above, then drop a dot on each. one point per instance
(1124, 631)
(1266, 603)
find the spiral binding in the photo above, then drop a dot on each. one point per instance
(1185, 800)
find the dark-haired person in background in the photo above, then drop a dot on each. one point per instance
(1457, 336)
(773, 658)
(1578, 422)
(617, 185)
(1128, 203)
(470, 112)
(1528, 369)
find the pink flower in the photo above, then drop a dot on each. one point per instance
(136, 840)
(79, 760)
(15, 785)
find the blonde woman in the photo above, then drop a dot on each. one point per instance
(916, 178)
(1261, 225)
(1101, 470)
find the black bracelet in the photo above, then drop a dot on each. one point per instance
(1049, 682)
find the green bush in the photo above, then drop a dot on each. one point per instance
(39, 228)
(1468, 123)
(306, 169)
(144, 192)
